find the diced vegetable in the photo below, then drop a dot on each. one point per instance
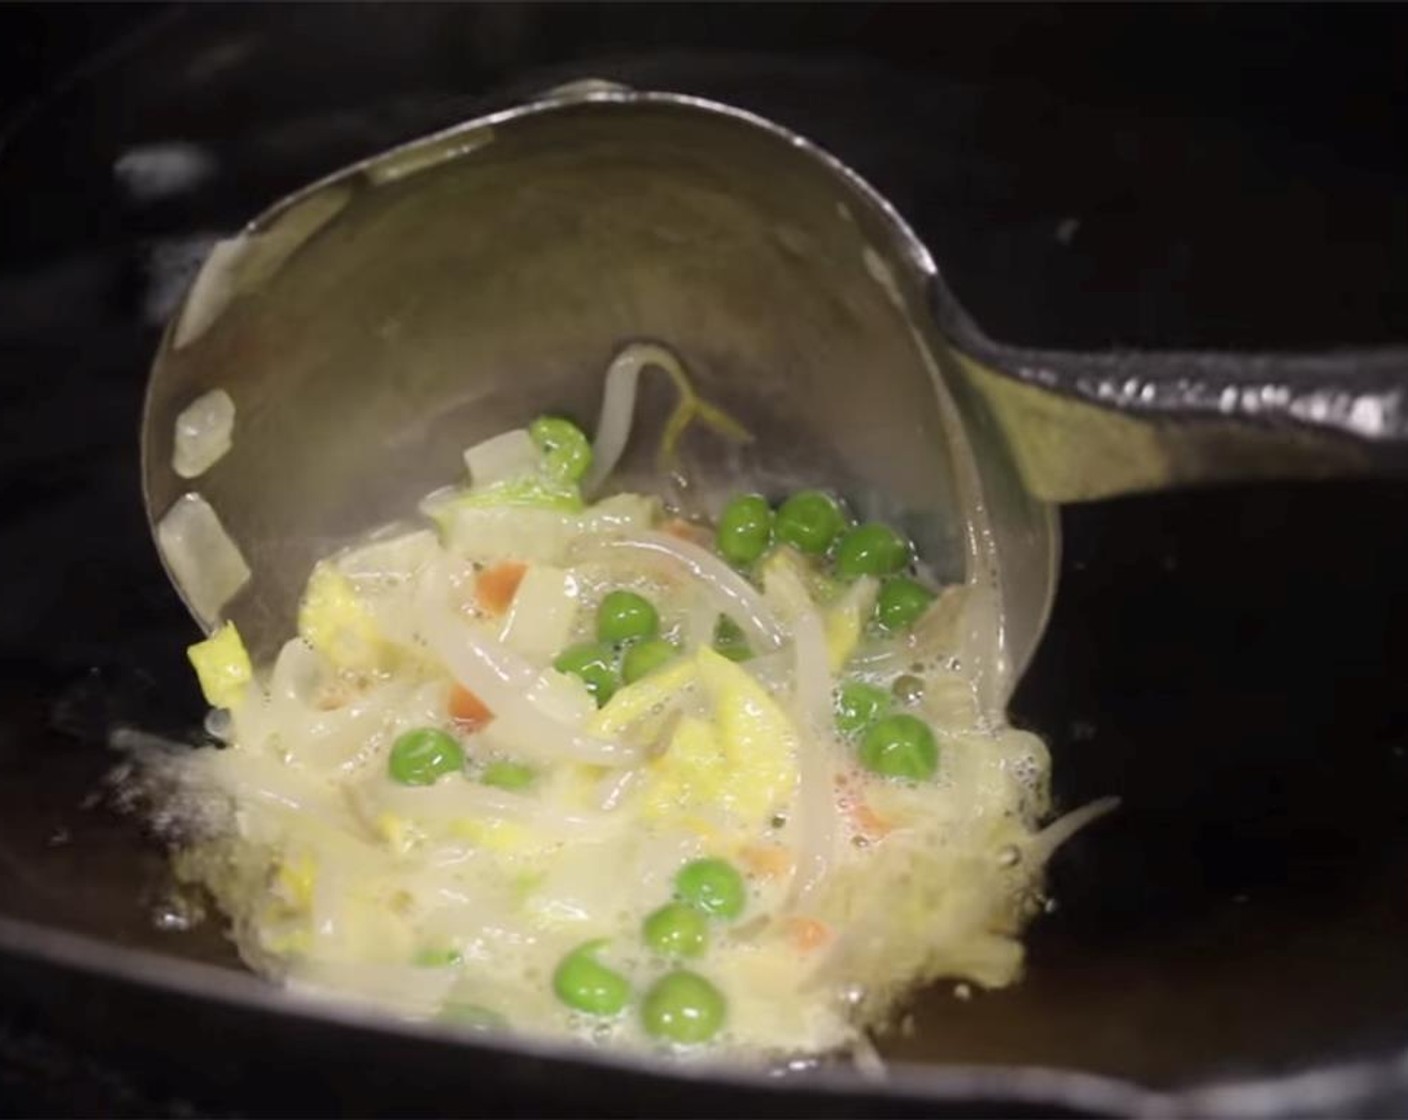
(202, 557)
(511, 454)
(595, 664)
(871, 549)
(864, 819)
(684, 1008)
(676, 930)
(900, 746)
(495, 587)
(567, 454)
(900, 602)
(729, 640)
(713, 887)
(766, 861)
(542, 614)
(745, 530)
(858, 705)
(423, 756)
(204, 433)
(467, 710)
(645, 657)
(583, 983)
(807, 934)
(508, 775)
(222, 667)
(625, 616)
(810, 521)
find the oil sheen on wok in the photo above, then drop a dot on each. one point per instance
(567, 764)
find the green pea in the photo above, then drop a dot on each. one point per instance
(900, 603)
(583, 983)
(508, 775)
(676, 930)
(684, 1008)
(625, 616)
(645, 657)
(711, 886)
(745, 529)
(810, 521)
(871, 549)
(566, 452)
(595, 664)
(900, 746)
(729, 640)
(473, 1017)
(424, 756)
(858, 705)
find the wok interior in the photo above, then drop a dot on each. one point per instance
(1242, 914)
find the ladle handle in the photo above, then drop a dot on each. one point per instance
(1092, 425)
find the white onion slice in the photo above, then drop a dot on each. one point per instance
(204, 433)
(203, 560)
(540, 618)
(733, 595)
(507, 455)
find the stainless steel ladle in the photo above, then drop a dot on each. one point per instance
(371, 326)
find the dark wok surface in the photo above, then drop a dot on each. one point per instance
(1232, 663)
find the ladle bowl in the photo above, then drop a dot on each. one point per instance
(371, 326)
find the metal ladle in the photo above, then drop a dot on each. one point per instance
(373, 325)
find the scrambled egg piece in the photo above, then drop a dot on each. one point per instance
(293, 881)
(335, 622)
(647, 696)
(743, 761)
(222, 666)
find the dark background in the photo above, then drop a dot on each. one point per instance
(1231, 663)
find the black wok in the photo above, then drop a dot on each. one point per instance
(1230, 662)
